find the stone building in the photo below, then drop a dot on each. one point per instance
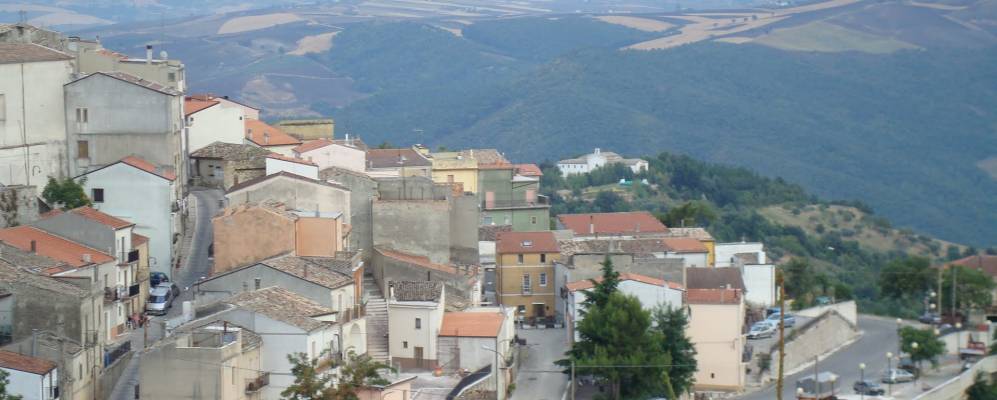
(223, 165)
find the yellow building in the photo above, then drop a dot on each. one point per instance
(525, 272)
(452, 167)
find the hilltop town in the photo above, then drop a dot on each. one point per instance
(163, 244)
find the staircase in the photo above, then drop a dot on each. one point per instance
(377, 321)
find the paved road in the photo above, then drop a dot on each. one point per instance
(539, 378)
(879, 337)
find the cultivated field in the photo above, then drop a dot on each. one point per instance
(256, 22)
(643, 24)
(828, 37)
(314, 44)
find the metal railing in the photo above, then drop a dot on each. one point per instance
(258, 384)
(353, 313)
(110, 356)
(539, 201)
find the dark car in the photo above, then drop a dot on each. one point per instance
(930, 318)
(868, 388)
(156, 278)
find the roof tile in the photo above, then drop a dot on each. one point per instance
(282, 305)
(526, 242)
(11, 53)
(471, 324)
(619, 223)
(263, 134)
(713, 296)
(34, 365)
(52, 246)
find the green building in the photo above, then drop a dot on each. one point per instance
(509, 195)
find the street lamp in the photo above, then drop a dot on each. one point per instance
(799, 392)
(900, 323)
(889, 372)
(862, 379)
(917, 373)
(958, 335)
(496, 365)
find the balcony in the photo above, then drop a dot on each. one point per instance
(132, 256)
(498, 204)
(258, 384)
(352, 313)
(121, 292)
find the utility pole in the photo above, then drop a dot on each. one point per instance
(782, 331)
(955, 271)
(572, 380)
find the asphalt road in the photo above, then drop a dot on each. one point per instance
(197, 264)
(539, 378)
(879, 337)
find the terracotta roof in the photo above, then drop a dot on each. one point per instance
(526, 242)
(612, 223)
(695, 233)
(102, 218)
(230, 152)
(51, 246)
(11, 53)
(471, 324)
(413, 259)
(490, 232)
(395, 158)
(125, 77)
(528, 170)
(486, 156)
(417, 290)
(282, 305)
(330, 273)
(638, 246)
(211, 97)
(192, 105)
(285, 174)
(34, 365)
(984, 263)
(148, 167)
(302, 161)
(312, 145)
(713, 278)
(713, 296)
(139, 239)
(262, 134)
(626, 276)
(684, 245)
(18, 267)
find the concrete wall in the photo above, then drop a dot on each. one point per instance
(156, 71)
(387, 269)
(79, 229)
(420, 227)
(235, 241)
(818, 337)
(18, 204)
(719, 346)
(464, 230)
(296, 194)
(279, 340)
(404, 338)
(215, 124)
(847, 309)
(318, 237)
(725, 252)
(32, 112)
(274, 166)
(308, 128)
(142, 198)
(362, 192)
(207, 372)
(759, 284)
(27, 385)
(242, 280)
(337, 155)
(588, 266)
(955, 388)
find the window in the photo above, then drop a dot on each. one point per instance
(526, 283)
(172, 76)
(449, 178)
(533, 220)
(519, 258)
(82, 115)
(405, 344)
(97, 195)
(82, 149)
(3, 107)
(543, 258)
(418, 323)
(521, 309)
(543, 279)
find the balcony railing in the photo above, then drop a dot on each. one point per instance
(527, 290)
(539, 201)
(132, 256)
(110, 356)
(258, 384)
(353, 313)
(121, 292)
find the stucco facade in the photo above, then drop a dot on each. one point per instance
(414, 328)
(715, 329)
(296, 192)
(363, 190)
(651, 292)
(214, 124)
(309, 128)
(336, 154)
(453, 168)
(507, 198)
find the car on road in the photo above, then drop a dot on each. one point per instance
(788, 319)
(161, 298)
(868, 388)
(930, 318)
(771, 310)
(762, 329)
(156, 278)
(897, 375)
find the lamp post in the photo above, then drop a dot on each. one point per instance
(917, 373)
(862, 379)
(496, 366)
(889, 373)
(958, 336)
(900, 324)
(799, 392)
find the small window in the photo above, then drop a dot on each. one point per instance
(533, 220)
(97, 195)
(418, 323)
(449, 178)
(526, 283)
(543, 258)
(543, 279)
(521, 309)
(82, 149)
(172, 76)
(519, 258)
(405, 344)
(82, 115)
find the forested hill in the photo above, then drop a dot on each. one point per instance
(909, 132)
(847, 245)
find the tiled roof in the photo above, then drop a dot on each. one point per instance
(33, 365)
(102, 218)
(18, 268)
(11, 53)
(713, 296)
(211, 97)
(413, 259)
(626, 276)
(713, 278)
(984, 263)
(139, 239)
(262, 134)
(324, 271)
(52, 246)
(126, 77)
(526, 242)
(485, 156)
(149, 167)
(396, 158)
(528, 170)
(312, 145)
(301, 161)
(282, 305)
(192, 105)
(471, 324)
(285, 174)
(612, 223)
(616, 246)
(230, 152)
(417, 290)
(490, 232)
(684, 245)
(695, 233)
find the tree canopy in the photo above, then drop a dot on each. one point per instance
(65, 193)
(908, 277)
(310, 383)
(929, 347)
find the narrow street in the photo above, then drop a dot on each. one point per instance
(196, 265)
(539, 378)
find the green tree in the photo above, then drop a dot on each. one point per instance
(981, 389)
(599, 294)
(800, 278)
(929, 347)
(4, 380)
(310, 384)
(609, 201)
(65, 193)
(907, 278)
(691, 213)
(672, 323)
(973, 288)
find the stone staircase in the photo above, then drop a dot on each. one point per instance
(377, 321)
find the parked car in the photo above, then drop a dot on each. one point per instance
(788, 319)
(822, 301)
(156, 278)
(771, 310)
(161, 298)
(930, 318)
(897, 375)
(868, 388)
(762, 329)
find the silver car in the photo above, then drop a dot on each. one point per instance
(160, 299)
(897, 376)
(762, 329)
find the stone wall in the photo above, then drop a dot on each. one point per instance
(847, 309)
(817, 337)
(18, 205)
(363, 190)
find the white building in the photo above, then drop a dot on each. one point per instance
(729, 253)
(652, 292)
(692, 252)
(758, 273)
(476, 338)
(349, 154)
(208, 121)
(589, 162)
(30, 377)
(415, 314)
(276, 163)
(32, 115)
(138, 191)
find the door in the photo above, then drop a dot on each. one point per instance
(489, 200)
(539, 310)
(419, 362)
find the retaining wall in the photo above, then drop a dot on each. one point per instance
(847, 309)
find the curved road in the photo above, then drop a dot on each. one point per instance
(879, 337)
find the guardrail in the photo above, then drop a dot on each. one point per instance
(470, 381)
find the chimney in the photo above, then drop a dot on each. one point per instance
(87, 258)
(148, 54)
(257, 282)
(591, 224)
(249, 133)
(266, 138)
(34, 247)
